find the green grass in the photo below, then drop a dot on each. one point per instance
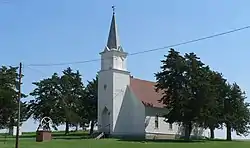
(79, 140)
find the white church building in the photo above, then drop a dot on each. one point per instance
(129, 106)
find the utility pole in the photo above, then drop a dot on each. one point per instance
(19, 105)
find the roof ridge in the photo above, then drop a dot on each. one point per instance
(142, 80)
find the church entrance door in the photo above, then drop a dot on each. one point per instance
(106, 121)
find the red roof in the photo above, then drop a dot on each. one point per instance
(145, 91)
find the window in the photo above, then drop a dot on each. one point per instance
(156, 122)
(170, 126)
(105, 86)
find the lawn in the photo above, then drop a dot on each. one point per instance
(81, 141)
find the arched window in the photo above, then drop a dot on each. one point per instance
(156, 121)
(170, 126)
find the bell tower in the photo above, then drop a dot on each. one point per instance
(113, 56)
(113, 79)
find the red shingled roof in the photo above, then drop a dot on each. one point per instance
(145, 91)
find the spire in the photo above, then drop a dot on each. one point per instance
(113, 38)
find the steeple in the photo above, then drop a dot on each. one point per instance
(113, 38)
(113, 57)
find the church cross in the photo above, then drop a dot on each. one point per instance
(113, 7)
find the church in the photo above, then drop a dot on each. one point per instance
(129, 106)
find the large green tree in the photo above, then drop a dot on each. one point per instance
(87, 106)
(182, 80)
(46, 100)
(58, 98)
(236, 112)
(8, 98)
(211, 114)
(71, 90)
(91, 101)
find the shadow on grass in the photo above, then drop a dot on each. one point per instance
(175, 140)
(71, 136)
(6, 140)
(80, 135)
(162, 140)
(223, 140)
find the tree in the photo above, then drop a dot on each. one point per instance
(87, 106)
(58, 97)
(171, 81)
(236, 112)
(91, 101)
(181, 80)
(8, 98)
(71, 91)
(46, 102)
(211, 114)
(197, 89)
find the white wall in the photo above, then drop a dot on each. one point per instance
(114, 60)
(105, 95)
(112, 82)
(107, 60)
(128, 113)
(163, 127)
(120, 82)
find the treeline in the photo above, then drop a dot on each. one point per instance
(64, 99)
(8, 98)
(193, 93)
(197, 95)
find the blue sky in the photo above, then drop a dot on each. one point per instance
(46, 31)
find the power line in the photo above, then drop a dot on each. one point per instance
(65, 63)
(192, 41)
(145, 51)
(39, 71)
